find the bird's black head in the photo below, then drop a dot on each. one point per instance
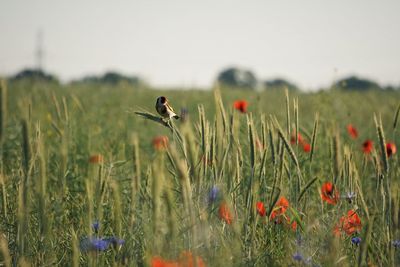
(163, 99)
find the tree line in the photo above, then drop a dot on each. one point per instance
(232, 77)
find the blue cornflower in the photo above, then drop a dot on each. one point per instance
(115, 241)
(396, 243)
(298, 257)
(93, 244)
(213, 194)
(356, 240)
(96, 226)
(99, 244)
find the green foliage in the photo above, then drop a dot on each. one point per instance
(111, 79)
(356, 84)
(157, 200)
(34, 75)
(280, 84)
(237, 78)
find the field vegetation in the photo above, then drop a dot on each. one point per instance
(279, 179)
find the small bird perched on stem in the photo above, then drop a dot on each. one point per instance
(164, 109)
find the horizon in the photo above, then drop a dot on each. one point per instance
(179, 87)
(186, 43)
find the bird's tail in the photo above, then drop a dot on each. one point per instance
(173, 115)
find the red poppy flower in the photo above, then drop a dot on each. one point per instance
(306, 147)
(349, 224)
(260, 208)
(160, 142)
(224, 213)
(329, 193)
(282, 205)
(352, 131)
(188, 260)
(367, 146)
(96, 159)
(240, 105)
(289, 223)
(293, 225)
(299, 138)
(160, 262)
(391, 149)
(157, 262)
(280, 208)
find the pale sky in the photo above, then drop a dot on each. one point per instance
(186, 43)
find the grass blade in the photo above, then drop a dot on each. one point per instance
(306, 187)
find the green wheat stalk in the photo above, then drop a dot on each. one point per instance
(306, 187)
(3, 111)
(287, 145)
(75, 249)
(396, 117)
(287, 111)
(336, 156)
(314, 136)
(382, 144)
(5, 252)
(152, 117)
(296, 118)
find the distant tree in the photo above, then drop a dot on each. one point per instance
(356, 84)
(280, 84)
(390, 88)
(238, 78)
(34, 75)
(111, 78)
(115, 78)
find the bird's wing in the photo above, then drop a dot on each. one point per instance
(169, 107)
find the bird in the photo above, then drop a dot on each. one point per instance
(164, 109)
